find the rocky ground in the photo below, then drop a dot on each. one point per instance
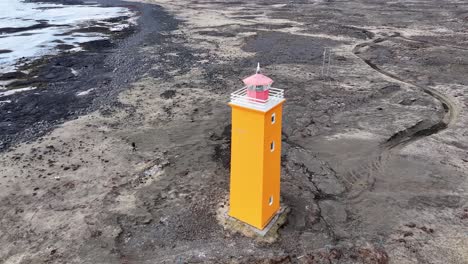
(374, 159)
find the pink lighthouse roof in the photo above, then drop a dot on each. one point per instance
(257, 79)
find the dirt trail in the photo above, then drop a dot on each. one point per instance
(419, 130)
(404, 137)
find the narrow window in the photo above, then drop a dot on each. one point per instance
(270, 201)
(273, 118)
(272, 146)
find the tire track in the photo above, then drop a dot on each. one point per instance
(362, 178)
(421, 129)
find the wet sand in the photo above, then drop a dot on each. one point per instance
(374, 154)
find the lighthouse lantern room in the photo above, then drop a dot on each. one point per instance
(258, 85)
(256, 151)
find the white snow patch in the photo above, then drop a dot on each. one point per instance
(279, 5)
(74, 72)
(3, 84)
(10, 92)
(83, 93)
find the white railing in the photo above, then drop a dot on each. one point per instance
(240, 98)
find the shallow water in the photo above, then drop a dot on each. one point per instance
(50, 22)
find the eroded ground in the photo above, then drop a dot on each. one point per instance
(374, 159)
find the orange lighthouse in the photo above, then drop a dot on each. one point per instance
(256, 151)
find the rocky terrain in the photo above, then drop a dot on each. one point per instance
(375, 149)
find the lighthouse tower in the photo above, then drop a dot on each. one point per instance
(256, 151)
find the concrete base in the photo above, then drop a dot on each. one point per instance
(271, 224)
(269, 234)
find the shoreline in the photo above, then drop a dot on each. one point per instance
(60, 80)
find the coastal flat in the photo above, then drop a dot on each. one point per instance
(374, 151)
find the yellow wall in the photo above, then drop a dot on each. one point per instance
(271, 164)
(255, 170)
